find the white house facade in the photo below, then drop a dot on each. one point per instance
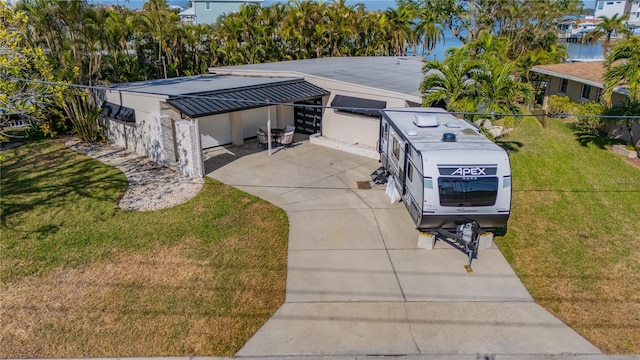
(634, 14)
(609, 8)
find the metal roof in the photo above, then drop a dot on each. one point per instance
(196, 105)
(358, 105)
(398, 74)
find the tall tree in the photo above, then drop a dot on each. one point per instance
(399, 25)
(499, 90)
(608, 27)
(476, 77)
(623, 69)
(428, 30)
(451, 82)
(21, 59)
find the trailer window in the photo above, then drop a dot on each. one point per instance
(396, 147)
(462, 192)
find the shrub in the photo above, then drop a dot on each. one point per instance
(629, 108)
(561, 106)
(589, 122)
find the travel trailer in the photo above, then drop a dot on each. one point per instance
(450, 177)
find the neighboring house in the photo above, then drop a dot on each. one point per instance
(208, 11)
(173, 120)
(575, 29)
(610, 8)
(582, 82)
(586, 25)
(188, 15)
(634, 16)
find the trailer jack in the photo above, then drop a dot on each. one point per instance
(466, 237)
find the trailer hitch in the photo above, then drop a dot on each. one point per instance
(467, 238)
(468, 235)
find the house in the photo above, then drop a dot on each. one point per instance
(353, 83)
(208, 11)
(634, 16)
(334, 100)
(610, 8)
(582, 82)
(188, 15)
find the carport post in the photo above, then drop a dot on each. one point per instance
(269, 125)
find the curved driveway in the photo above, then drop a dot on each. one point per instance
(357, 284)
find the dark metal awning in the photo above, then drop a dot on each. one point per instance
(357, 105)
(118, 112)
(229, 100)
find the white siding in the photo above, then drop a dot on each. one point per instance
(609, 8)
(255, 118)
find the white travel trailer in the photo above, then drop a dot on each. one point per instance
(449, 176)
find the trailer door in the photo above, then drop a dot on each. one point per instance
(383, 142)
(397, 150)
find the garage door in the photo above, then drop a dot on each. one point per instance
(215, 130)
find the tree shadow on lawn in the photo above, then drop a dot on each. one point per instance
(510, 146)
(53, 179)
(601, 141)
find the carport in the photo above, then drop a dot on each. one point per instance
(231, 115)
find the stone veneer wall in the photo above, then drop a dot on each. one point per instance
(144, 137)
(188, 149)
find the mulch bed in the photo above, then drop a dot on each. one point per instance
(633, 161)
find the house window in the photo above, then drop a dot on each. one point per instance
(563, 86)
(599, 95)
(207, 5)
(586, 91)
(410, 172)
(600, 5)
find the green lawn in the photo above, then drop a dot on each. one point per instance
(82, 278)
(574, 233)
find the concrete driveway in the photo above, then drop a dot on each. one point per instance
(357, 284)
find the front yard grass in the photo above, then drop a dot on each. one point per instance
(80, 277)
(574, 233)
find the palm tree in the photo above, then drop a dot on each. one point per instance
(159, 22)
(428, 30)
(499, 90)
(341, 27)
(623, 68)
(451, 81)
(400, 24)
(607, 28)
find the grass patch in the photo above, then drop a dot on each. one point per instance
(80, 277)
(573, 234)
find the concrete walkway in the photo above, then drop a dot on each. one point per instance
(357, 284)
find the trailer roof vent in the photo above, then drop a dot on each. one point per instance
(449, 137)
(425, 120)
